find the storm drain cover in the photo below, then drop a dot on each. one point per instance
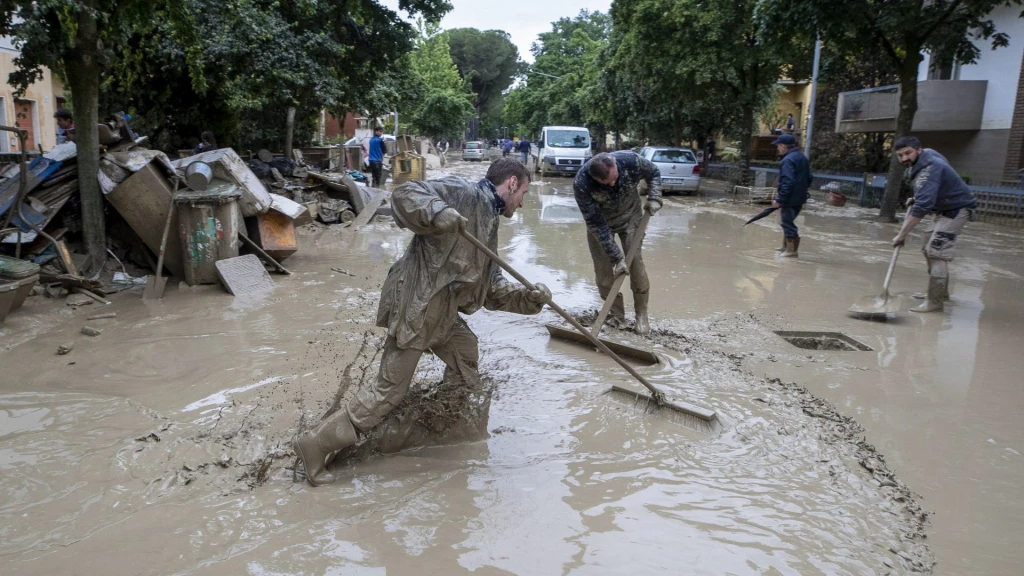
(823, 341)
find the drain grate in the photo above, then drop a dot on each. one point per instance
(823, 341)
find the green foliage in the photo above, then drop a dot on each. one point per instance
(436, 102)
(488, 61)
(687, 68)
(562, 87)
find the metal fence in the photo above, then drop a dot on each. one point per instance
(997, 202)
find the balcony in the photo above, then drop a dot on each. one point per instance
(942, 105)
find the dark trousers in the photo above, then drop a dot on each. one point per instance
(788, 215)
(375, 168)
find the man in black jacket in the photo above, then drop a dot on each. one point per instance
(794, 181)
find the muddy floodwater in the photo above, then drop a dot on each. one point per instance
(162, 446)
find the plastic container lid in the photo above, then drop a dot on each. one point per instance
(15, 269)
(219, 192)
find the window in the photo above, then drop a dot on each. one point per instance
(942, 71)
(472, 145)
(568, 139)
(674, 157)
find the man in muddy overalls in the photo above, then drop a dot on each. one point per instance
(440, 275)
(606, 190)
(940, 190)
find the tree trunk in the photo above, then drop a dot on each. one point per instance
(904, 123)
(83, 74)
(289, 132)
(746, 143)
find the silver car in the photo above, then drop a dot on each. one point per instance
(679, 169)
(473, 151)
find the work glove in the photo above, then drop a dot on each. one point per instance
(539, 296)
(898, 240)
(653, 206)
(449, 220)
(620, 269)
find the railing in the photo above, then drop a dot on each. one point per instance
(882, 103)
(997, 203)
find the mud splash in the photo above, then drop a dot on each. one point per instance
(165, 441)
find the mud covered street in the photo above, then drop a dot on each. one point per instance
(164, 442)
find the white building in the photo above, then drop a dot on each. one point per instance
(973, 113)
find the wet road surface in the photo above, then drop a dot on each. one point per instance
(163, 442)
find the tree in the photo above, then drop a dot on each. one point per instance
(692, 66)
(489, 61)
(75, 39)
(442, 105)
(902, 32)
(562, 85)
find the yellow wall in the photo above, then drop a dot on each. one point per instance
(793, 100)
(41, 92)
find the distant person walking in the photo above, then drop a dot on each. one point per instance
(506, 148)
(794, 182)
(791, 124)
(938, 189)
(524, 150)
(376, 156)
(206, 143)
(709, 151)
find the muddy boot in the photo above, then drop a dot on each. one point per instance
(617, 316)
(643, 324)
(782, 248)
(792, 245)
(937, 287)
(313, 446)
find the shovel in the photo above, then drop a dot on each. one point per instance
(872, 306)
(883, 304)
(635, 353)
(155, 284)
(704, 417)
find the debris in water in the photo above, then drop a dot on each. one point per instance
(65, 348)
(90, 331)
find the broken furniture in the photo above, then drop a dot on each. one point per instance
(22, 274)
(143, 200)
(228, 166)
(275, 233)
(208, 225)
(244, 276)
(407, 166)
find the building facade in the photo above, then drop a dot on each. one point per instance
(973, 113)
(32, 111)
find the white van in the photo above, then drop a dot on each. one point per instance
(562, 149)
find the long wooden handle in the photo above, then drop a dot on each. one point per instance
(632, 251)
(892, 266)
(167, 230)
(659, 397)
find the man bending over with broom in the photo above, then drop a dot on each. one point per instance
(440, 275)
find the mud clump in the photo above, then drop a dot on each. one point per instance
(820, 343)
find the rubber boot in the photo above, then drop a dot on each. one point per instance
(792, 246)
(937, 287)
(313, 446)
(643, 323)
(617, 316)
(782, 248)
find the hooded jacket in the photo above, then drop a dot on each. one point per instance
(937, 187)
(441, 273)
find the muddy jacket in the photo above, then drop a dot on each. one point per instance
(617, 209)
(794, 179)
(442, 274)
(937, 187)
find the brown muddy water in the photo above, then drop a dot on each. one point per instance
(161, 446)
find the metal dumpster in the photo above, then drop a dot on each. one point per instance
(208, 225)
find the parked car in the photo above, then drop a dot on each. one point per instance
(680, 171)
(473, 151)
